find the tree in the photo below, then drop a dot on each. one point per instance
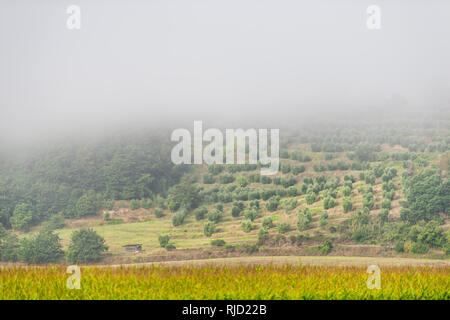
(426, 195)
(22, 217)
(273, 203)
(328, 203)
(242, 180)
(184, 195)
(247, 225)
(267, 223)
(251, 214)
(9, 246)
(86, 246)
(163, 240)
(215, 215)
(326, 248)
(42, 248)
(200, 213)
(284, 227)
(347, 204)
(209, 228)
(87, 205)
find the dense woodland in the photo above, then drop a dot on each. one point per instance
(75, 180)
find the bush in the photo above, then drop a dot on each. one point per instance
(242, 181)
(178, 218)
(323, 221)
(163, 240)
(208, 178)
(254, 204)
(328, 203)
(326, 248)
(215, 215)
(55, 222)
(292, 191)
(263, 235)
(383, 216)
(284, 227)
(273, 203)
(290, 204)
(209, 228)
(159, 213)
(42, 248)
(87, 205)
(310, 198)
(170, 247)
(298, 169)
(347, 191)
(200, 213)
(251, 214)
(235, 211)
(247, 225)
(86, 246)
(267, 223)
(226, 178)
(347, 204)
(296, 240)
(285, 168)
(218, 242)
(304, 219)
(399, 246)
(419, 248)
(266, 180)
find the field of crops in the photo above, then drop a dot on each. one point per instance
(225, 282)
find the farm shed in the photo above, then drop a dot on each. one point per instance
(133, 248)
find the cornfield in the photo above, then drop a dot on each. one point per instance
(225, 282)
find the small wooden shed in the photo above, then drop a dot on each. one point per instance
(135, 248)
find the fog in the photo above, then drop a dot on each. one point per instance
(162, 62)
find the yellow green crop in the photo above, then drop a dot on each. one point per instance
(225, 282)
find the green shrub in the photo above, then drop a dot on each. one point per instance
(218, 242)
(200, 213)
(86, 246)
(267, 223)
(347, 204)
(163, 240)
(247, 225)
(284, 227)
(326, 248)
(273, 203)
(215, 215)
(419, 248)
(328, 203)
(208, 178)
(209, 228)
(251, 214)
(170, 247)
(263, 235)
(178, 218)
(399, 246)
(159, 213)
(45, 247)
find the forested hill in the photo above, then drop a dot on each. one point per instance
(54, 179)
